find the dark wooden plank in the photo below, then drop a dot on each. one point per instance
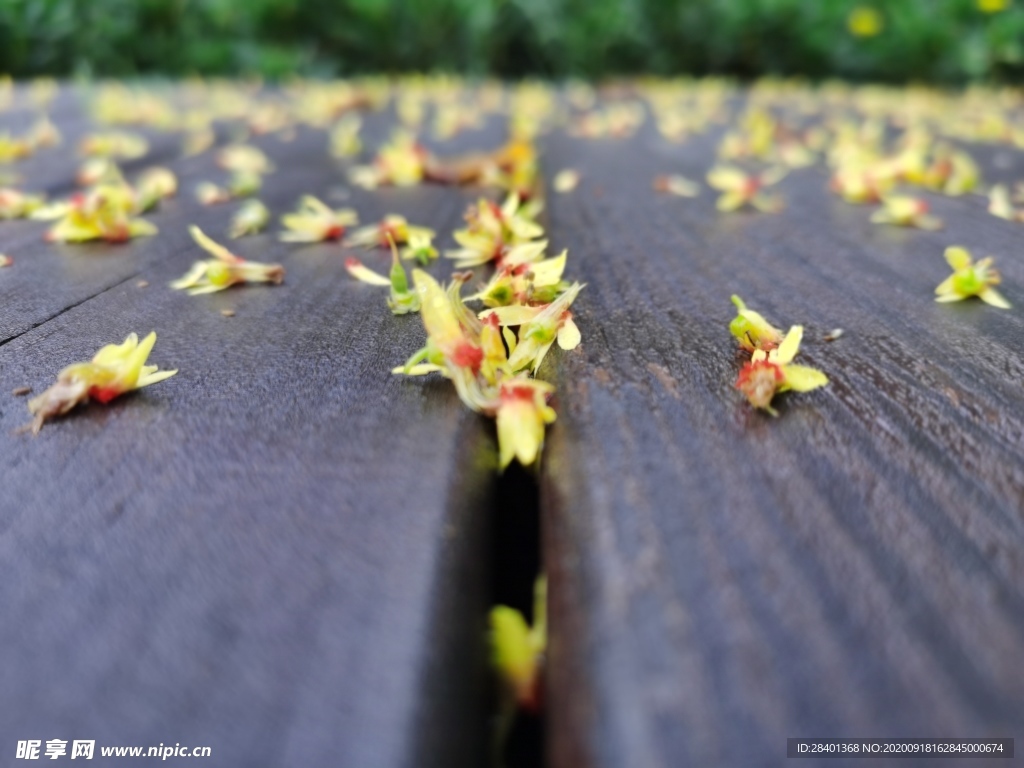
(721, 580)
(276, 553)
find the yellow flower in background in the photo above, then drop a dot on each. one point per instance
(865, 21)
(314, 221)
(740, 188)
(102, 213)
(905, 211)
(224, 270)
(114, 370)
(993, 6)
(970, 278)
(392, 228)
(251, 218)
(15, 204)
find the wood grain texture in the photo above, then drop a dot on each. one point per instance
(722, 580)
(277, 553)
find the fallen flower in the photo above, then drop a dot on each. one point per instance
(421, 249)
(15, 204)
(224, 270)
(970, 279)
(153, 185)
(906, 211)
(314, 221)
(772, 372)
(114, 144)
(251, 218)
(113, 371)
(208, 193)
(740, 188)
(677, 185)
(392, 228)
(244, 158)
(493, 233)
(102, 213)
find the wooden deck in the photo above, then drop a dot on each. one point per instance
(286, 553)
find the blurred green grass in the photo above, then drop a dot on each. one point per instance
(942, 41)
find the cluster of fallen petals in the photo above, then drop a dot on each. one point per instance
(508, 234)
(770, 370)
(109, 210)
(490, 355)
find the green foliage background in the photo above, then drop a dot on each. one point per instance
(928, 40)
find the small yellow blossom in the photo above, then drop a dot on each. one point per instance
(906, 211)
(5, 260)
(114, 144)
(224, 270)
(95, 170)
(244, 158)
(677, 185)
(208, 193)
(392, 228)
(741, 188)
(345, 137)
(400, 162)
(244, 183)
(970, 278)
(858, 184)
(113, 371)
(420, 248)
(751, 329)
(198, 141)
(15, 204)
(314, 221)
(14, 149)
(251, 218)
(153, 185)
(865, 21)
(772, 372)
(103, 213)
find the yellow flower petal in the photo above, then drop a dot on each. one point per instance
(801, 378)
(789, 347)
